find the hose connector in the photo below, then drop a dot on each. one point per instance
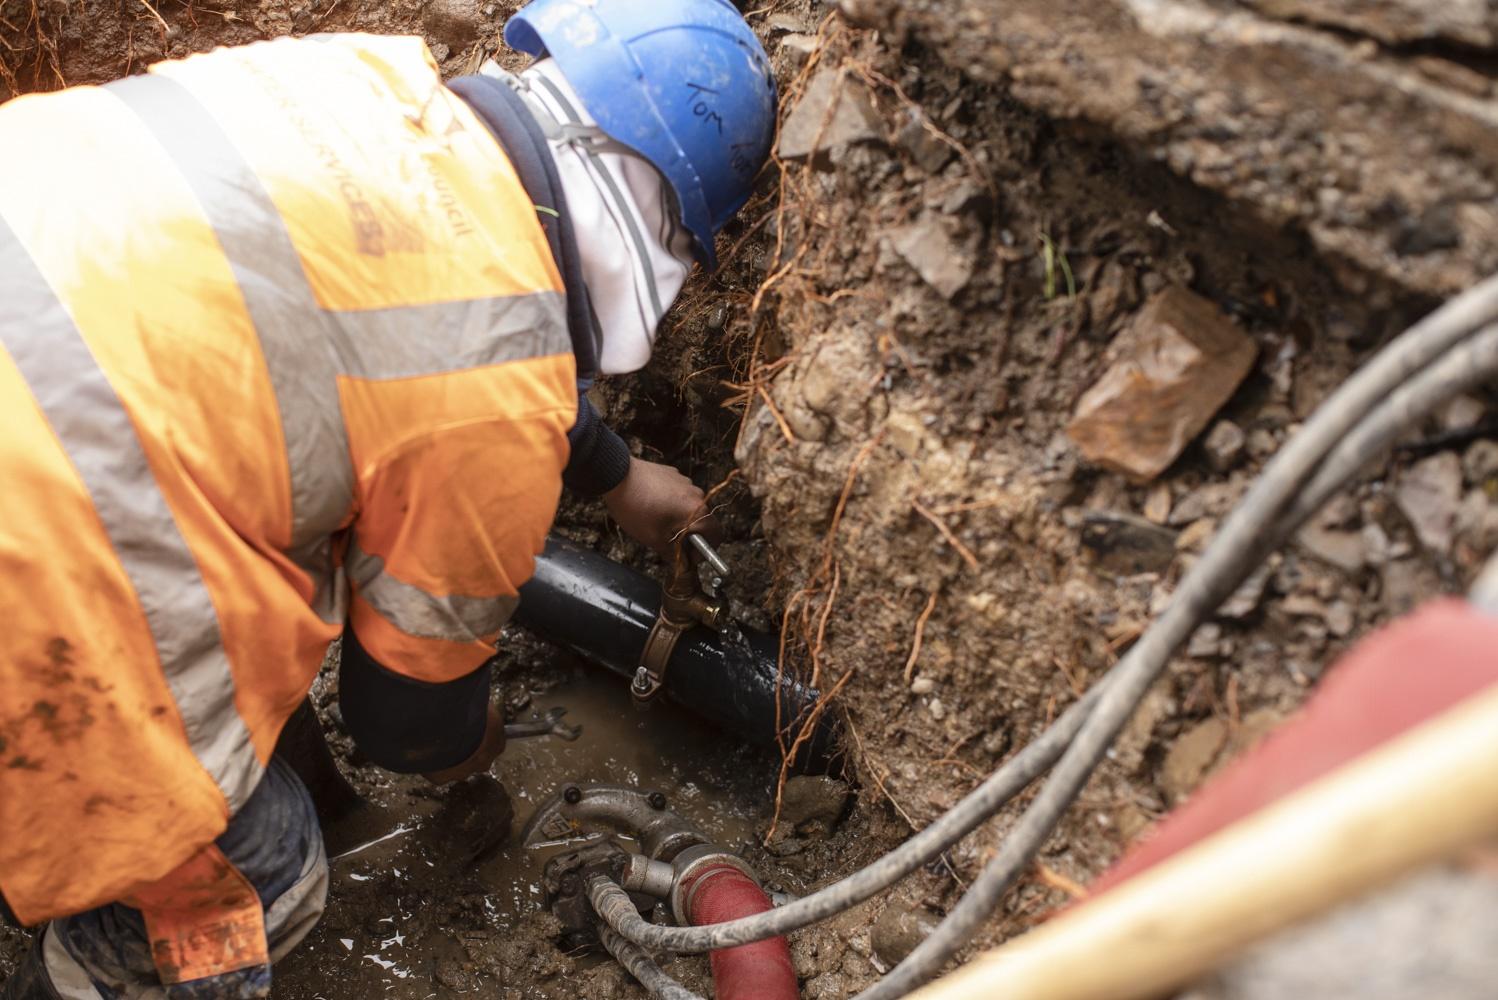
(694, 868)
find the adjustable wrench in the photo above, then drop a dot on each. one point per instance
(550, 724)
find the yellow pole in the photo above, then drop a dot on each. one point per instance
(1418, 799)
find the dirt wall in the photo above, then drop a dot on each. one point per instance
(1368, 126)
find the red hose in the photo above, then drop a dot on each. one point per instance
(758, 971)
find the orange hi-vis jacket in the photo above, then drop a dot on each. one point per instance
(282, 345)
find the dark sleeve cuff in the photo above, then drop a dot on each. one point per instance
(405, 725)
(599, 459)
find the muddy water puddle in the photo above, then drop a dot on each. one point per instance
(708, 778)
(411, 916)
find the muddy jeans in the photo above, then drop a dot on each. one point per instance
(275, 843)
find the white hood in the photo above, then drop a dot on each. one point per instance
(635, 253)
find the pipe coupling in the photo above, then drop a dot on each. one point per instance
(696, 867)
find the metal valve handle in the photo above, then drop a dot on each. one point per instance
(686, 601)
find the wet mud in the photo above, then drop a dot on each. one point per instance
(423, 901)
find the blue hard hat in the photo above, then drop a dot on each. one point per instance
(684, 83)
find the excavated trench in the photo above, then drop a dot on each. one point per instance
(980, 214)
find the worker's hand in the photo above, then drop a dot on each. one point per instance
(479, 762)
(655, 504)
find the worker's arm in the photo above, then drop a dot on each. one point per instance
(452, 511)
(599, 459)
(653, 503)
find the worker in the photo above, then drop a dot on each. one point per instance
(291, 343)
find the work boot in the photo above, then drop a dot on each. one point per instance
(474, 819)
(30, 980)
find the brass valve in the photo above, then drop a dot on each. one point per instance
(687, 600)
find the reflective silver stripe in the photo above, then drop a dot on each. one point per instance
(307, 347)
(293, 331)
(454, 336)
(100, 440)
(455, 618)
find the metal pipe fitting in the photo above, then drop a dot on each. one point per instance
(579, 810)
(653, 878)
(604, 612)
(691, 868)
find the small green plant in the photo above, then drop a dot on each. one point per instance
(1054, 260)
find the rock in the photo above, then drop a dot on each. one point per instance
(1343, 549)
(1181, 360)
(1157, 505)
(1127, 545)
(1134, 742)
(1255, 726)
(786, 22)
(922, 685)
(1212, 500)
(814, 803)
(1480, 462)
(1207, 642)
(1429, 494)
(1224, 445)
(1262, 443)
(1405, 584)
(937, 709)
(1250, 593)
(835, 111)
(926, 150)
(1376, 545)
(1436, 228)
(453, 23)
(1194, 538)
(967, 198)
(1477, 521)
(899, 930)
(940, 261)
(1340, 512)
(1340, 619)
(1394, 22)
(1303, 605)
(1191, 756)
(1318, 618)
(859, 13)
(905, 432)
(1131, 821)
(799, 47)
(1462, 413)
(823, 386)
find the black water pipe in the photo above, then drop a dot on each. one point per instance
(603, 612)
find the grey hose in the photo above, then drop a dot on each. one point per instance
(979, 804)
(656, 981)
(1244, 540)
(1464, 367)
